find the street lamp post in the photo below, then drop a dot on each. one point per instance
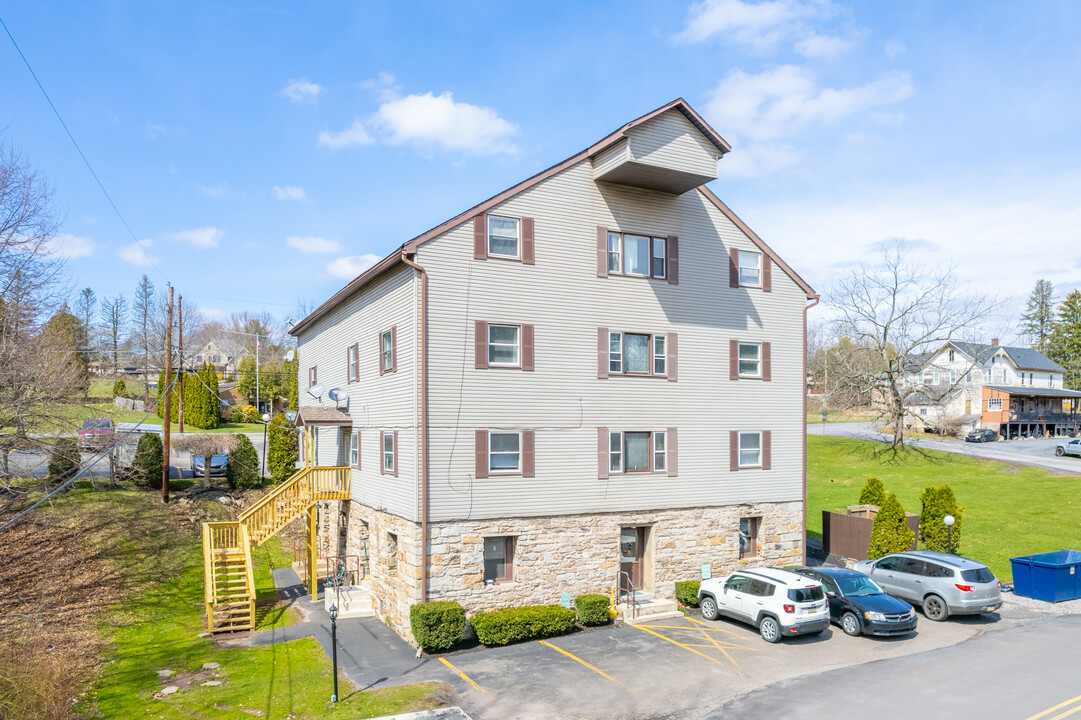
(334, 648)
(949, 521)
(266, 419)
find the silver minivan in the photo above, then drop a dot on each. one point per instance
(941, 583)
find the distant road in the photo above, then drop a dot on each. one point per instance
(1037, 453)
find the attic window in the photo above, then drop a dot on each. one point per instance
(503, 236)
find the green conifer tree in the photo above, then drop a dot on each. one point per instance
(283, 451)
(936, 503)
(890, 533)
(873, 493)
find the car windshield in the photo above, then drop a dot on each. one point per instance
(980, 575)
(858, 586)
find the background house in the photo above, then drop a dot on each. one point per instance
(223, 353)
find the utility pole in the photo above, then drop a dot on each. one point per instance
(258, 410)
(180, 358)
(167, 421)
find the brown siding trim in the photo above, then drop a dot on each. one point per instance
(480, 345)
(528, 453)
(602, 452)
(602, 251)
(394, 351)
(733, 359)
(528, 250)
(480, 237)
(672, 438)
(672, 341)
(733, 450)
(672, 248)
(766, 447)
(527, 348)
(480, 454)
(602, 353)
(767, 371)
(733, 267)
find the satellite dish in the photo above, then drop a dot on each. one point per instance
(291, 416)
(316, 391)
(290, 355)
(336, 394)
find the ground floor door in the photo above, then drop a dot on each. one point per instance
(632, 552)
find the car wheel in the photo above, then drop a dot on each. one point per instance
(769, 630)
(851, 624)
(1060, 452)
(709, 608)
(935, 608)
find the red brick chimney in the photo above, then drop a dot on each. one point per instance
(994, 342)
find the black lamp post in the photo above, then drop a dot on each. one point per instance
(266, 419)
(949, 533)
(334, 648)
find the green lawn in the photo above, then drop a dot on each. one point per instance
(1009, 510)
(835, 417)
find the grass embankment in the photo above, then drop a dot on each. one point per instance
(1009, 510)
(835, 417)
(127, 601)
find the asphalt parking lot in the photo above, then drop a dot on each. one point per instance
(684, 667)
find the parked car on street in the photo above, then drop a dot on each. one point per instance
(778, 602)
(218, 464)
(942, 584)
(96, 433)
(1069, 447)
(981, 436)
(859, 605)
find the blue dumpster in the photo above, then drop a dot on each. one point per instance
(1051, 577)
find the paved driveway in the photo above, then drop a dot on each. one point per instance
(1038, 453)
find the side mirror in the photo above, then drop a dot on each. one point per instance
(830, 593)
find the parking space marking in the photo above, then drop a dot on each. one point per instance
(1061, 705)
(717, 628)
(686, 647)
(462, 675)
(591, 667)
(706, 633)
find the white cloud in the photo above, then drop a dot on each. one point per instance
(137, 253)
(894, 48)
(220, 190)
(70, 247)
(288, 192)
(760, 25)
(759, 160)
(313, 244)
(352, 136)
(429, 121)
(208, 237)
(824, 46)
(347, 268)
(301, 90)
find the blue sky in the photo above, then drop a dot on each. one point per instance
(265, 152)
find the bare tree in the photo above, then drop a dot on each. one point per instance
(86, 305)
(897, 312)
(114, 314)
(143, 313)
(206, 445)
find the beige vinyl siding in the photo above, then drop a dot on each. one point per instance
(671, 141)
(376, 402)
(564, 401)
(611, 158)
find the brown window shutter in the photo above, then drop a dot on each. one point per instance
(602, 251)
(527, 347)
(766, 371)
(528, 453)
(672, 439)
(766, 442)
(379, 355)
(733, 450)
(733, 267)
(481, 454)
(602, 353)
(672, 341)
(672, 249)
(528, 255)
(602, 452)
(480, 237)
(397, 455)
(733, 359)
(394, 351)
(767, 273)
(480, 343)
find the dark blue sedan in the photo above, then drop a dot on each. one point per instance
(859, 605)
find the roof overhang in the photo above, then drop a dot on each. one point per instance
(1034, 391)
(322, 417)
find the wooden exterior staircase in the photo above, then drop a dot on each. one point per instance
(230, 582)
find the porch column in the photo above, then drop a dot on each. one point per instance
(313, 554)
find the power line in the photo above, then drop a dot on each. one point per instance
(80, 151)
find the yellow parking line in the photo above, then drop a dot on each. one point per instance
(688, 648)
(462, 675)
(1061, 705)
(591, 667)
(717, 629)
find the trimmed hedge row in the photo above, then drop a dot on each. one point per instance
(687, 592)
(437, 625)
(514, 624)
(592, 609)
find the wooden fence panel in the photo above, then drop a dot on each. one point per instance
(849, 536)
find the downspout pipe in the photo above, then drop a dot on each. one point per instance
(422, 334)
(803, 382)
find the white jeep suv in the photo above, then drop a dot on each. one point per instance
(777, 602)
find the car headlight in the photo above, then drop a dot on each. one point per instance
(876, 616)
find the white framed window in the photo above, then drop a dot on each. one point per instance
(637, 451)
(389, 453)
(636, 448)
(750, 268)
(386, 351)
(923, 411)
(636, 354)
(750, 449)
(504, 452)
(503, 236)
(351, 355)
(750, 360)
(987, 375)
(660, 357)
(953, 377)
(927, 377)
(615, 352)
(615, 452)
(615, 253)
(504, 345)
(354, 449)
(994, 404)
(951, 355)
(660, 451)
(637, 255)
(935, 377)
(660, 258)
(1050, 380)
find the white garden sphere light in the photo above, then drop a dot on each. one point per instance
(948, 520)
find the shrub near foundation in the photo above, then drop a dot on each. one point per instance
(514, 624)
(437, 625)
(687, 592)
(592, 609)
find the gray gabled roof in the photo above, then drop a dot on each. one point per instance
(1023, 358)
(1035, 391)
